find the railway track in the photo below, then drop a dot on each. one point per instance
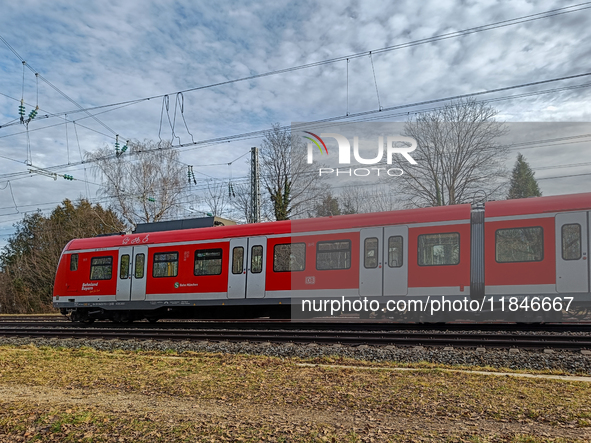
(397, 338)
(268, 324)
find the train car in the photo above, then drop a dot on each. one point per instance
(493, 251)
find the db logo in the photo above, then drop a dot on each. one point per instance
(310, 280)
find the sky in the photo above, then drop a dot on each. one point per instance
(103, 53)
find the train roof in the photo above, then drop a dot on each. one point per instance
(407, 216)
(503, 208)
(539, 205)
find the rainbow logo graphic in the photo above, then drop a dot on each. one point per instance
(316, 143)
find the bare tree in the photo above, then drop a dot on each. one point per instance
(290, 181)
(378, 198)
(241, 201)
(144, 185)
(216, 198)
(457, 155)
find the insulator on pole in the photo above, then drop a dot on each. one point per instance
(33, 113)
(21, 109)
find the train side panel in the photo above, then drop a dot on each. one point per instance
(188, 271)
(520, 256)
(87, 276)
(336, 273)
(439, 260)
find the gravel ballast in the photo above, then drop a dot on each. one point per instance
(572, 362)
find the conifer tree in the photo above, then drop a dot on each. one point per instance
(327, 207)
(523, 183)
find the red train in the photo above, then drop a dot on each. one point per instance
(522, 248)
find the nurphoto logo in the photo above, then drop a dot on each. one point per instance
(395, 144)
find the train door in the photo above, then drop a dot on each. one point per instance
(572, 262)
(138, 273)
(237, 274)
(124, 274)
(370, 265)
(255, 267)
(395, 260)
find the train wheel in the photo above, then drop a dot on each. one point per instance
(120, 317)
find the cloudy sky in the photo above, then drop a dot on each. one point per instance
(104, 53)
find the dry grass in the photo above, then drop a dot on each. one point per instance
(233, 396)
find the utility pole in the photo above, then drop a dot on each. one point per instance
(255, 189)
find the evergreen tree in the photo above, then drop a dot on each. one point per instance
(523, 183)
(328, 207)
(29, 260)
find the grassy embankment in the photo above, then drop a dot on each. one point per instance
(51, 394)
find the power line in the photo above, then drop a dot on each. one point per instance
(500, 24)
(363, 114)
(66, 121)
(318, 123)
(253, 134)
(383, 112)
(55, 88)
(246, 179)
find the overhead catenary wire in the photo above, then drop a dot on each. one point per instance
(375, 82)
(86, 188)
(482, 28)
(61, 123)
(364, 115)
(194, 142)
(245, 179)
(55, 88)
(531, 17)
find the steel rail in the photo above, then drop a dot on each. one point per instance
(325, 337)
(266, 324)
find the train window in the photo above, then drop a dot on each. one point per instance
(140, 261)
(73, 262)
(208, 262)
(333, 255)
(101, 268)
(124, 267)
(571, 241)
(371, 253)
(395, 251)
(166, 264)
(519, 244)
(289, 257)
(439, 249)
(256, 259)
(237, 260)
